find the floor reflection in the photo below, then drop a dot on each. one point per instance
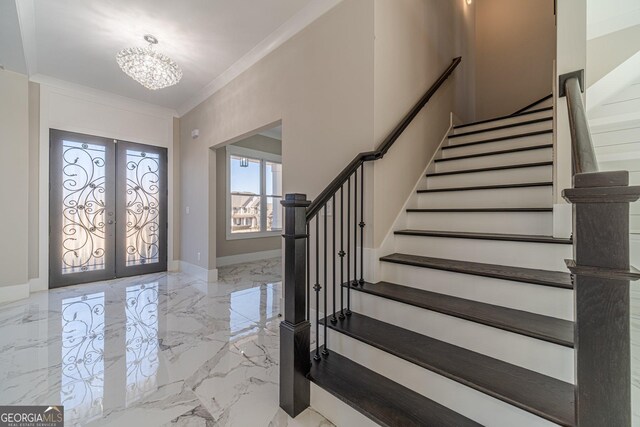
(251, 309)
(141, 340)
(82, 383)
(162, 349)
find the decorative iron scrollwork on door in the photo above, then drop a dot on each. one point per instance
(142, 208)
(83, 207)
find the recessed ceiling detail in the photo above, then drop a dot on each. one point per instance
(148, 67)
(213, 41)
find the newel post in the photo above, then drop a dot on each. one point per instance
(602, 277)
(295, 339)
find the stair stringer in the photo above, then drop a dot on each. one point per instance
(372, 263)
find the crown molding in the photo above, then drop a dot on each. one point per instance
(27, 24)
(314, 10)
(102, 97)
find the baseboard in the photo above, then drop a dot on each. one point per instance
(14, 292)
(250, 257)
(198, 272)
(173, 265)
(38, 284)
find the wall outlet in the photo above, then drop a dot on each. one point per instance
(198, 256)
(187, 210)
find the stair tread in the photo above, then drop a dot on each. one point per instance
(492, 168)
(516, 274)
(511, 116)
(379, 398)
(502, 127)
(502, 138)
(539, 394)
(488, 187)
(550, 329)
(480, 210)
(494, 153)
(488, 236)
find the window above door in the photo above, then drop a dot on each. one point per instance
(254, 192)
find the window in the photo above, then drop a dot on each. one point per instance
(254, 191)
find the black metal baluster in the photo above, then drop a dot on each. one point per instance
(325, 352)
(317, 288)
(342, 253)
(355, 229)
(308, 287)
(349, 246)
(362, 224)
(333, 260)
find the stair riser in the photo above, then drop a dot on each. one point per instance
(464, 400)
(336, 411)
(544, 300)
(524, 197)
(506, 176)
(540, 223)
(500, 133)
(508, 144)
(542, 256)
(503, 122)
(531, 353)
(520, 157)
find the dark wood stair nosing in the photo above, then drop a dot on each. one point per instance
(496, 153)
(502, 138)
(468, 314)
(488, 187)
(493, 271)
(525, 238)
(378, 397)
(492, 168)
(479, 210)
(562, 390)
(495, 119)
(507, 126)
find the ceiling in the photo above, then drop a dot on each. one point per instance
(77, 40)
(607, 16)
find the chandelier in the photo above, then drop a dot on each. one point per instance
(151, 69)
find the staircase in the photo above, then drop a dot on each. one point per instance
(472, 320)
(473, 316)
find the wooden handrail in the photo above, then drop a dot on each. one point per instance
(326, 194)
(583, 152)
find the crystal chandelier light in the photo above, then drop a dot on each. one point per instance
(151, 69)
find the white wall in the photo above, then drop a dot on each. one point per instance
(515, 41)
(338, 87)
(14, 185)
(319, 84)
(414, 43)
(79, 109)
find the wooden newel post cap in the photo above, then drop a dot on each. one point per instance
(295, 200)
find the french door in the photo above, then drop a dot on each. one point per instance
(107, 209)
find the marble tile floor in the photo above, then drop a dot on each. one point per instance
(155, 350)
